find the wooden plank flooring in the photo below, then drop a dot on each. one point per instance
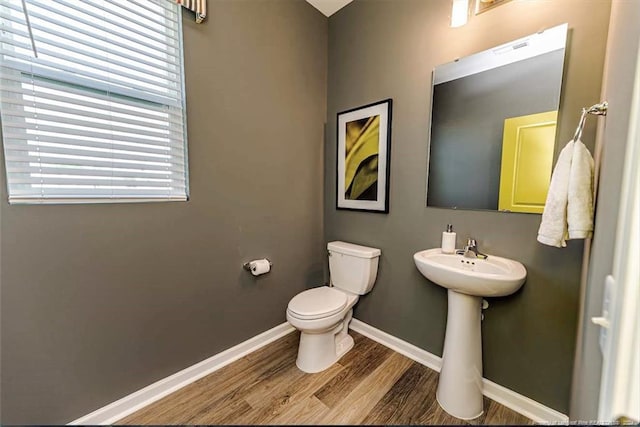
(371, 384)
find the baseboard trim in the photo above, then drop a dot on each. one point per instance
(522, 404)
(509, 398)
(119, 409)
(396, 344)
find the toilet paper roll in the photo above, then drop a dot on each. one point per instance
(259, 266)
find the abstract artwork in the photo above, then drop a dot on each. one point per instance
(364, 137)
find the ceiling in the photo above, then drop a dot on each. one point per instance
(329, 7)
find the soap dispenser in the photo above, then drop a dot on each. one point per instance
(449, 240)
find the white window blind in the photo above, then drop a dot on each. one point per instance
(92, 100)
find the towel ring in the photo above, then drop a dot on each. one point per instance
(597, 110)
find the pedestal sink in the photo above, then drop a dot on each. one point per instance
(467, 281)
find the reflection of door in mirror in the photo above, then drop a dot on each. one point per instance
(527, 157)
(471, 99)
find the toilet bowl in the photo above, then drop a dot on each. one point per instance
(322, 314)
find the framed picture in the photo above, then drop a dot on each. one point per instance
(484, 5)
(364, 146)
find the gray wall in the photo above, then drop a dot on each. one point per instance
(622, 55)
(387, 49)
(99, 301)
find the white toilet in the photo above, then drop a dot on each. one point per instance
(323, 314)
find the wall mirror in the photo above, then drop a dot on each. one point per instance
(493, 125)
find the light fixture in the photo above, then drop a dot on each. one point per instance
(459, 13)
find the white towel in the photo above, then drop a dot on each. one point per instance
(580, 203)
(568, 211)
(553, 228)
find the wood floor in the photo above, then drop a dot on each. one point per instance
(370, 385)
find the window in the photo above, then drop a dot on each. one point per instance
(92, 100)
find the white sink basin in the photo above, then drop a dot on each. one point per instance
(467, 280)
(491, 277)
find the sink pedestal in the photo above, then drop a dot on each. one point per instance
(460, 384)
(467, 280)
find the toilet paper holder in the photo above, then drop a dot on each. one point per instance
(247, 265)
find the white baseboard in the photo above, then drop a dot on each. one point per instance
(531, 409)
(396, 344)
(523, 405)
(129, 404)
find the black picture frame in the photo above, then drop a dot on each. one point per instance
(363, 140)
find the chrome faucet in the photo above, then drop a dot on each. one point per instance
(471, 250)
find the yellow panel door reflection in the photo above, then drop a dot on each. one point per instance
(527, 158)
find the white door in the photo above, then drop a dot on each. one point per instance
(620, 382)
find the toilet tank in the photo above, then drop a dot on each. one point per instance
(353, 268)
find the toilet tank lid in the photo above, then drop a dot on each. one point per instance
(353, 250)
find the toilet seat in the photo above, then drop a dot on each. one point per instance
(317, 303)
